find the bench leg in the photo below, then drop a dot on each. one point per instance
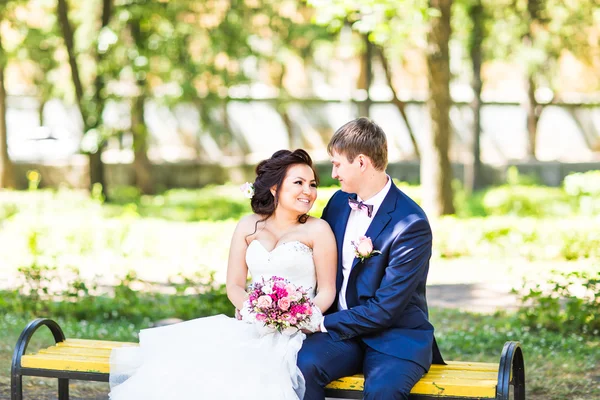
(16, 387)
(63, 389)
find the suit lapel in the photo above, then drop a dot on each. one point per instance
(339, 231)
(382, 218)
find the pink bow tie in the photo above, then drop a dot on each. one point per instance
(359, 205)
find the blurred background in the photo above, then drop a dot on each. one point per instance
(126, 127)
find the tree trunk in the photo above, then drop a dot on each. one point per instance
(365, 78)
(96, 165)
(90, 121)
(533, 116)
(67, 33)
(282, 107)
(7, 179)
(534, 11)
(289, 126)
(436, 172)
(400, 105)
(474, 173)
(141, 163)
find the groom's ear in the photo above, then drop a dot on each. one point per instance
(362, 161)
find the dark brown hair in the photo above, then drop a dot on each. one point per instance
(361, 136)
(271, 172)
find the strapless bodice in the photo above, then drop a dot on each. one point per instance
(291, 260)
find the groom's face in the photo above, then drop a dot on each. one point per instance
(348, 173)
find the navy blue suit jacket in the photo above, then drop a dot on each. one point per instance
(387, 308)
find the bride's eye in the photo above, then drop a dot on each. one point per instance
(313, 185)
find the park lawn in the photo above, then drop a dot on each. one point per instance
(557, 366)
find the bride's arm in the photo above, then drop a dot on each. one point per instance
(237, 270)
(325, 258)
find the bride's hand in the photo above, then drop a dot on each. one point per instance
(314, 322)
(245, 314)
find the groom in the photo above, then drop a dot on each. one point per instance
(378, 324)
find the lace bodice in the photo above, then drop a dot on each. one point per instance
(291, 260)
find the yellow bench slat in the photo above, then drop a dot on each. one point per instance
(82, 351)
(483, 388)
(458, 378)
(66, 363)
(463, 366)
(96, 344)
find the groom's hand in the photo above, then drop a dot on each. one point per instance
(310, 332)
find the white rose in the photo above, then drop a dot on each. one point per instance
(267, 289)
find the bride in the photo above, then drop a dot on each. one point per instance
(225, 358)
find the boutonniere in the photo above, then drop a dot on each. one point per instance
(364, 248)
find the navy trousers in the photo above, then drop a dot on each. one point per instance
(323, 360)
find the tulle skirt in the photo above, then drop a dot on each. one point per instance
(208, 358)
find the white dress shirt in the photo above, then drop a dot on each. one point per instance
(357, 226)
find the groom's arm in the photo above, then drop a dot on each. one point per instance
(408, 257)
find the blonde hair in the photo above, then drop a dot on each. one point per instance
(361, 136)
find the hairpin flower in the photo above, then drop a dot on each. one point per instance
(248, 189)
(363, 249)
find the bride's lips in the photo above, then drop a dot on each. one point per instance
(304, 201)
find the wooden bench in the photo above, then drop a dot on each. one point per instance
(83, 359)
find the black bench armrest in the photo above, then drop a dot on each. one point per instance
(512, 370)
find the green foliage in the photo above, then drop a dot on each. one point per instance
(526, 201)
(530, 238)
(569, 302)
(583, 184)
(45, 290)
(7, 210)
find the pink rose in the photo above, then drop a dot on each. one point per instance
(284, 303)
(290, 288)
(264, 301)
(365, 246)
(295, 296)
(286, 317)
(261, 317)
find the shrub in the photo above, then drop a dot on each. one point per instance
(568, 302)
(42, 290)
(524, 201)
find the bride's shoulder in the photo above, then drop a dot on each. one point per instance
(247, 224)
(317, 226)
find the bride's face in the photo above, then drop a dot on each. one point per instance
(298, 190)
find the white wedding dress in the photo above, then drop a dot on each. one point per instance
(219, 357)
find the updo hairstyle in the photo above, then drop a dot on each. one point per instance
(271, 172)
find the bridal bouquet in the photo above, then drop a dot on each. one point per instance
(279, 305)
